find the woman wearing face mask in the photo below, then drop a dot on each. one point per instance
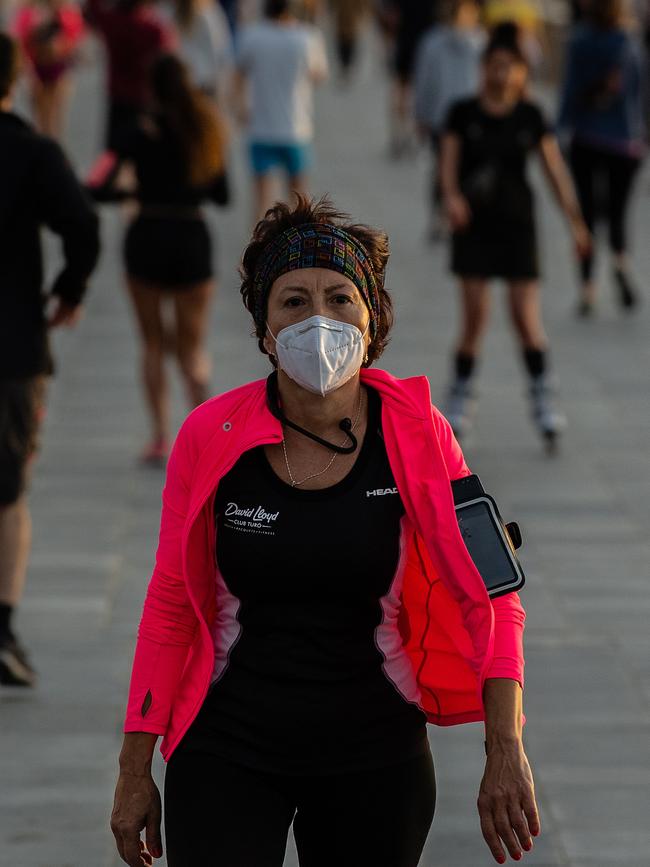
(312, 594)
(490, 207)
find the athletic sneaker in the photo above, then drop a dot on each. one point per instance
(15, 667)
(550, 420)
(459, 405)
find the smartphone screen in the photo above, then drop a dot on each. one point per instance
(485, 546)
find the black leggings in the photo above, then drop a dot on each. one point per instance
(603, 183)
(219, 814)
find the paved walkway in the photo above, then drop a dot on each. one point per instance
(584, 516)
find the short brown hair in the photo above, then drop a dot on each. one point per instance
(281, 217)
(9, 64)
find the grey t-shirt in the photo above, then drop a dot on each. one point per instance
(281, 62)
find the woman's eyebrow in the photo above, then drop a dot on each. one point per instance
(336, 287)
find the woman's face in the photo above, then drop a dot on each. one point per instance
(306, 292)
(504, 75)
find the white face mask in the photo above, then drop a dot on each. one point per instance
(320, 354)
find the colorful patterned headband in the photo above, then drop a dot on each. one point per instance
(316, 245)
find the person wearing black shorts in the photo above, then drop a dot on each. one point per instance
(489, 202)
(178, 155)
(38, 188)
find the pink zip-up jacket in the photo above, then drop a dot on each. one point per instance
(455, 636)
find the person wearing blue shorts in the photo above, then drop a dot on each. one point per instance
(294, 159)
(278, 61)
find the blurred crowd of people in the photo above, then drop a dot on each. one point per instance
(182, 73)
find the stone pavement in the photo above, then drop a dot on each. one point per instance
(583, 513)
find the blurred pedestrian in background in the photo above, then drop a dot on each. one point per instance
(602, 109)
(412, 18)
(134, 35)
(526, 16)
(489, 203)
(349, 17)
(38, 189)
(278, 62)
(447, 69)
(178, 153)
(50, 33)
(204, 43)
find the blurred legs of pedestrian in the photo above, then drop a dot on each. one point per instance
(184, 338)
(266, 191)
(475, 313)
(604, 182)
(438, 228)
(21, 411)
(349, 17)
(525, 313)
(402, 128)
(50, 102)
(294, 160)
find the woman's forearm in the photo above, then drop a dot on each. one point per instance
(137, 753)
(502, 698)
(449, 159)
(560, 179)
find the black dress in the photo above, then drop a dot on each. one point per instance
(500, 240)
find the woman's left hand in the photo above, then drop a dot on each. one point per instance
(506, 802)
(582, 238)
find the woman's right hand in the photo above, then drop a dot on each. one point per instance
(137, 806)
(458, 211)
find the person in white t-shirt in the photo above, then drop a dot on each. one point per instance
(278, 62)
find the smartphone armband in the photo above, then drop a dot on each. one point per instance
(490, 542)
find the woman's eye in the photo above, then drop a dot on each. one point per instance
(342, 299)
(293, 302)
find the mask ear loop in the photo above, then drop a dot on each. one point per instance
(273, 402)
(271, 354)
(365, 354)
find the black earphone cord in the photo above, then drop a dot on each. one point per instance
(275, 408)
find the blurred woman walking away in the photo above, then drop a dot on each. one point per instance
(490, 207)
(49, 33)
(602, 109)
(178, 154)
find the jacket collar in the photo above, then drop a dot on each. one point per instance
(250, 423)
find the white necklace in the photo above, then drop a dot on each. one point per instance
(294, 483)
